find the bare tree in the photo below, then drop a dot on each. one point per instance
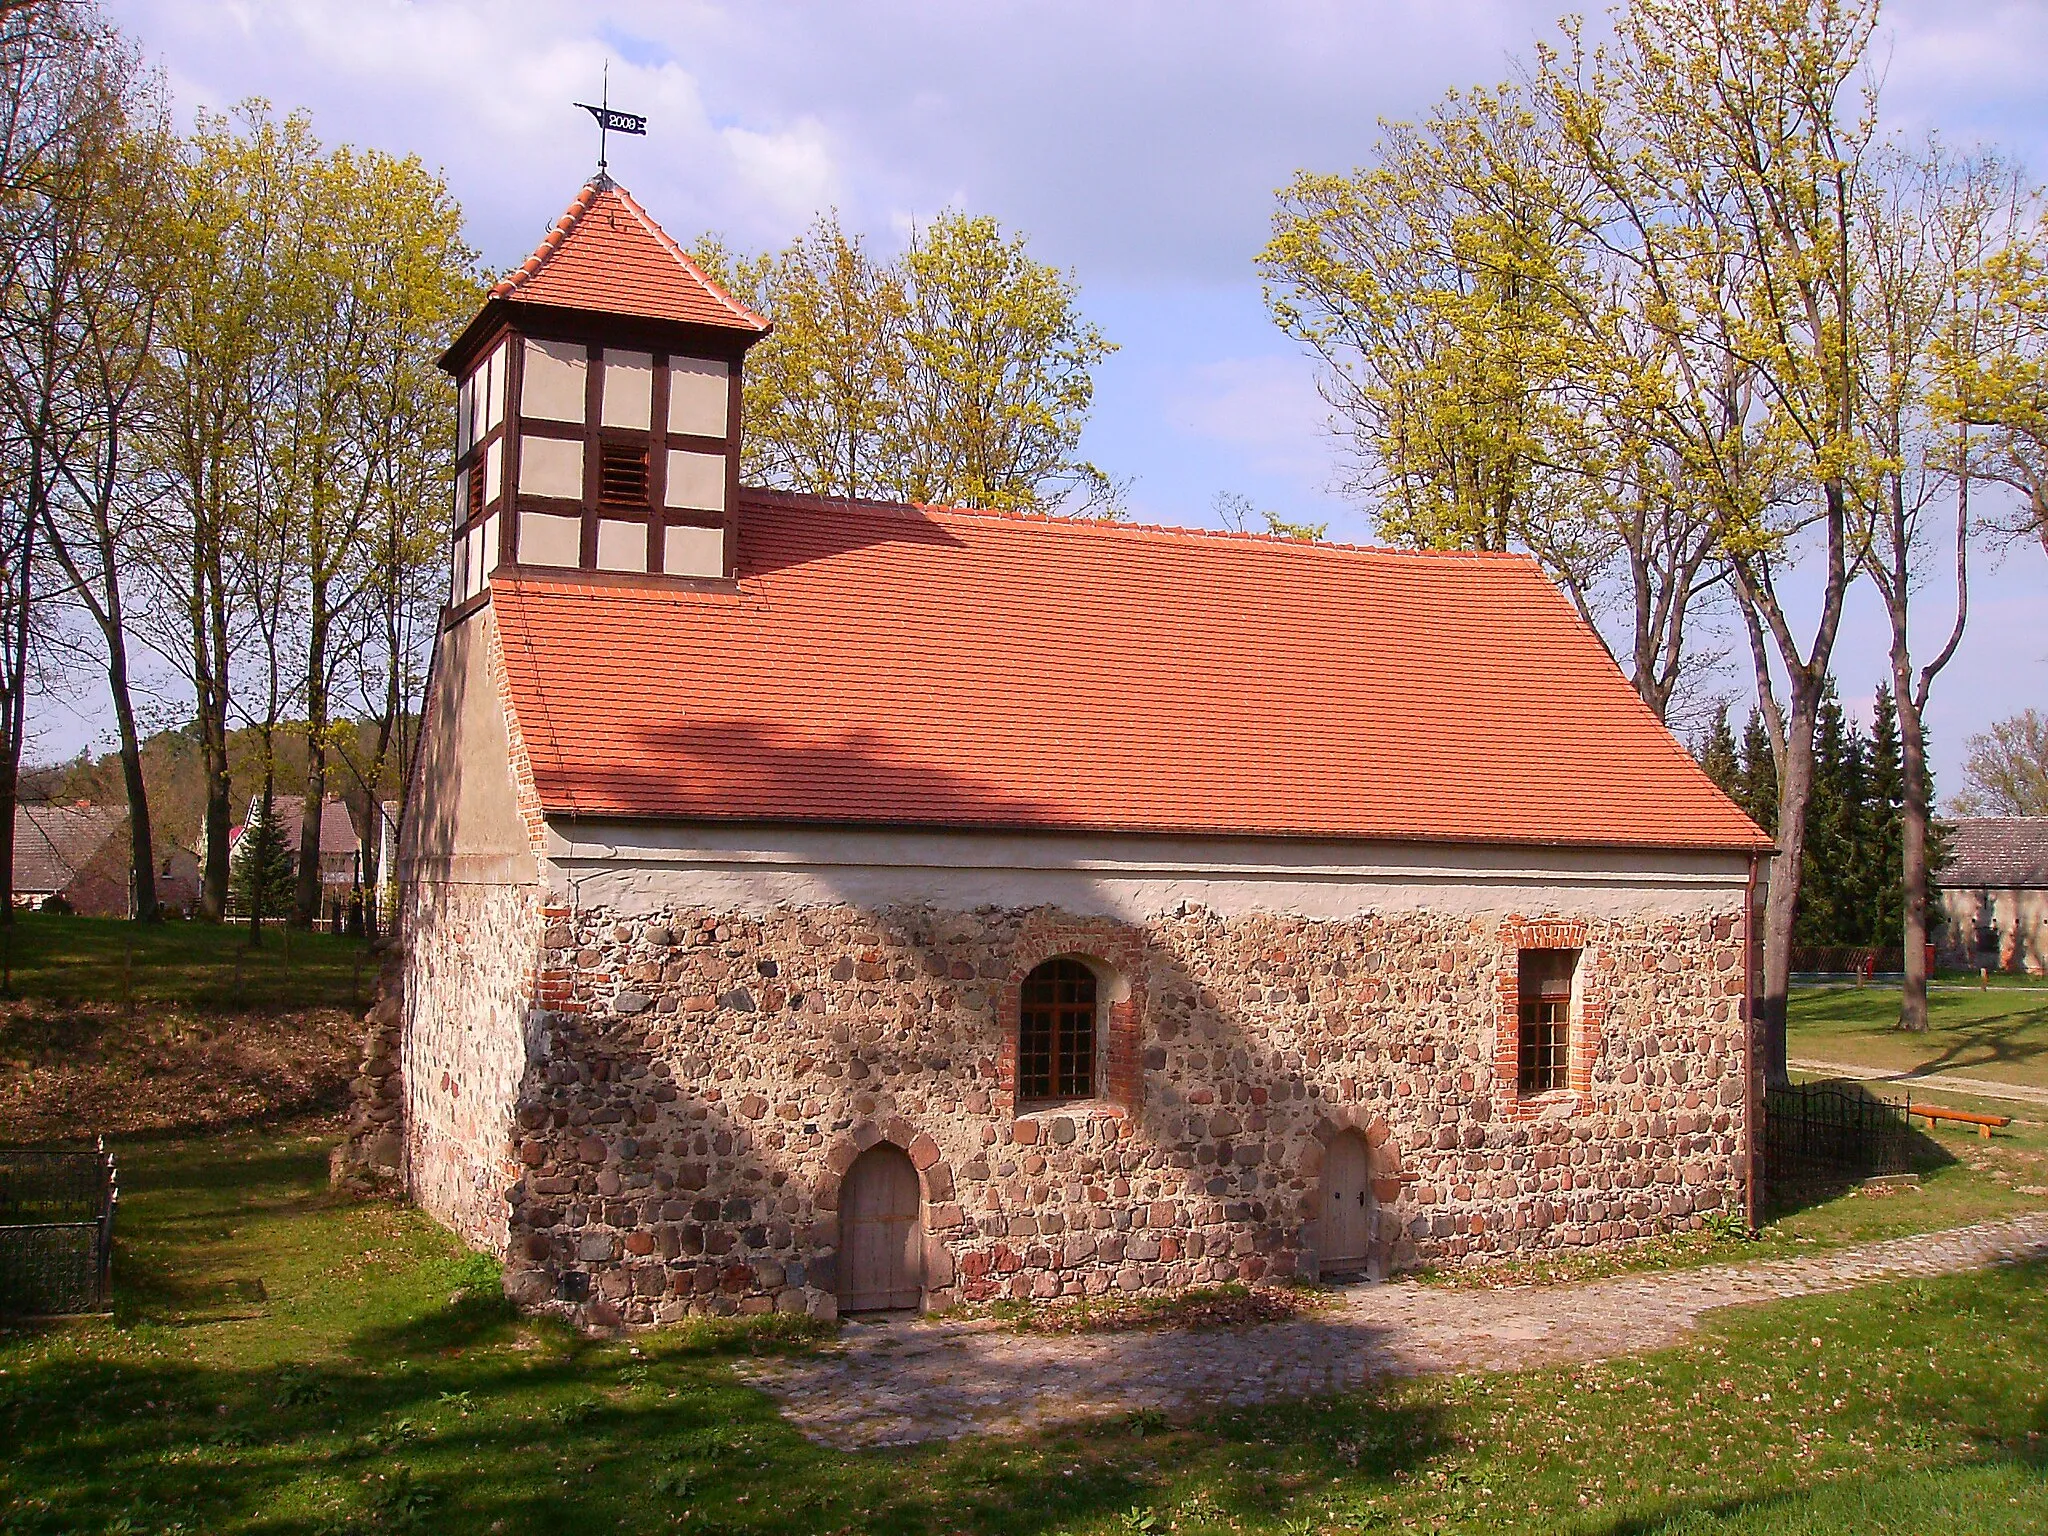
(114, 264)
(57, 122)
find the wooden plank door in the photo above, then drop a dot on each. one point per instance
(1344, 1229)
(881, 1238)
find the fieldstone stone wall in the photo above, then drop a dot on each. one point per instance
(701, 1081)
(369, 1161)
(467, 1036)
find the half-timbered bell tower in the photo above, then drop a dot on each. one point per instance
(598, 409)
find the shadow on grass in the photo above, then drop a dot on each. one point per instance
(204, 966)
(1991, 1044)
(468, 1419)
(1824, 1163)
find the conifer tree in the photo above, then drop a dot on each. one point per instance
(262, 876)
(1883, 850)
(1719, 757)
(1827, 911)
(1757, 791)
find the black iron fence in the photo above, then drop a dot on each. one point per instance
(1835, 1130)
(56, 1231)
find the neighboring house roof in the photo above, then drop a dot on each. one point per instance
(885, 664)
(606, 254)
(53, 844)
(1997, 853)
(337, 827)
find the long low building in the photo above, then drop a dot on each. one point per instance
(1994, 894)
(827, 906)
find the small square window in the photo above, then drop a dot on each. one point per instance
(1544, 1003)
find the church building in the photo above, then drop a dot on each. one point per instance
(828, 906)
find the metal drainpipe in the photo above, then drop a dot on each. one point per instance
(1750, 1125)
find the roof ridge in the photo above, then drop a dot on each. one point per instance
(688, 263)
(551, 242)
(1113, 526)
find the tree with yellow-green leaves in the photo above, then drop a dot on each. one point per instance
(84, 154)
(1930, 231)
(1432, 286)
(2011, 383)
(300, 441)
(960, 373)
(1490, 378)
(1669, 314)
(824, 389)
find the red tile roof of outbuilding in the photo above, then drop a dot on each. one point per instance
(920, 666)
(605, 253)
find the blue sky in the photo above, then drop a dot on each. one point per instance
(1137, 143)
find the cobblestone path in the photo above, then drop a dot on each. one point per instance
(894, 1383)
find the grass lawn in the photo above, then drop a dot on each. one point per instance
(123, 1028)
(283, 1363)
(200, 966)
(2000, 1034)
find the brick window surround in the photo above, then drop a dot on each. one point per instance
(1116, 955)
(1589, 1017)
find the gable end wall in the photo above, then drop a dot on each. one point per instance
(471, 915)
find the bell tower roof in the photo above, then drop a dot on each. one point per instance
(605, 254)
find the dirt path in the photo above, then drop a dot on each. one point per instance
(1954, 1082)
(899, 1382)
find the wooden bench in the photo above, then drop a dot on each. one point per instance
(1984, 1123)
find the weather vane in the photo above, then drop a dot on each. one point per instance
(610, 122)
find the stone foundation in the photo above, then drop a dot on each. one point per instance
(693, 1085)
(471, 952)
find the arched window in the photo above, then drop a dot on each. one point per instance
(1056, 1032)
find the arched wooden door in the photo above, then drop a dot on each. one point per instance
(1344, 1227)
(881, 1234)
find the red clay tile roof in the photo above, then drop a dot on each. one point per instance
(929, 667)
(605, 253)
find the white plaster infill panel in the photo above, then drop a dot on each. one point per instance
(628, 399)
(552, 388)
(621, 545)
(699, 392)
(546, 538)
(689, 551)
(551, 466)
(639, 867)
(696, 481)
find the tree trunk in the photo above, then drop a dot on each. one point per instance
(308, 891)
(209, 654)
(1913, 837)
(14, 677)
(142, 852)
(1781, 904)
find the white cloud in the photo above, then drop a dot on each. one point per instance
(1268, 406)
